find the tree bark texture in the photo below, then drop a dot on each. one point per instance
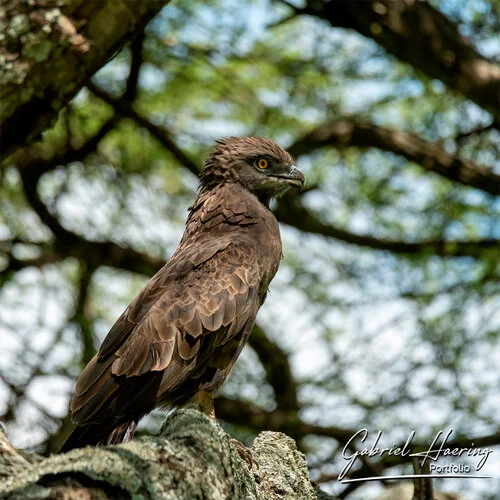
(49, 49)
(192, 458)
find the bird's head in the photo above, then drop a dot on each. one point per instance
(260, 165)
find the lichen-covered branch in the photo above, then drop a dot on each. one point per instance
(193, 458)
(10, 459)
(49, 49)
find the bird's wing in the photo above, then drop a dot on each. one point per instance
(168, 278)
(200, 299)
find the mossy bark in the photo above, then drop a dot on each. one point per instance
(192, 458)
(49, 49)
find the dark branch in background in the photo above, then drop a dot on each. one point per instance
(420, 35)
(47, 256)
(124, 108)
(494, 125)
(95, 253)
(422, 486)
(432, 157)
(292, 212)
(81, 316)
(67, 243)
(33, 162)
(135, 65)
(248, 414)
(278, 371)
(254, 417)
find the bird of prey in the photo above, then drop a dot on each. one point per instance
(177, 341)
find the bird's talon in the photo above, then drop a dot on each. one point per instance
(244, 452)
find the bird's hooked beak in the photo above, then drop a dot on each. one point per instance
(294, 177)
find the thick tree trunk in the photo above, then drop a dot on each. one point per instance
(49, 49)
(193, 458)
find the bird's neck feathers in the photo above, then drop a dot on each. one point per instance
(212, 174)
(220, 197)
(225, 203)
(230, 186)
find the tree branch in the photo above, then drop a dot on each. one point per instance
(32, 166)
(193, 458)
(246, 414)
(124, 108)
(346, 133)
(290, 211)
(47, 256)
(32, 160)
(135, 66)
(417, 33)
(81, 314)
(72, 42)
(494, 125)
(278, 370)
(95, 253)
(10, 460)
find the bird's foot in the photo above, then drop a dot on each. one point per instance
(244, 452)
(203, 401)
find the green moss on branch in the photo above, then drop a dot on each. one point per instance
(192, 458)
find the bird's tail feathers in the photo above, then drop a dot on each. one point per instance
(122, 433)
(96, 434)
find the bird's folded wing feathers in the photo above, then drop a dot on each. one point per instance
(200, 299)
(166, 279)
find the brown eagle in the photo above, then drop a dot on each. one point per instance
(177, 341)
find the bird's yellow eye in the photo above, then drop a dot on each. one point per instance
(262, 163)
